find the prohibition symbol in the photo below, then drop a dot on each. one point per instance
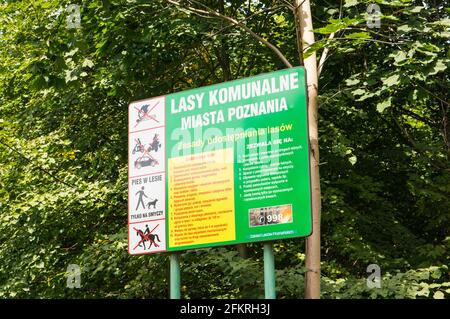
(144, 114)
(147, 236)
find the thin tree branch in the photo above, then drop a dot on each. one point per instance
(363, 39)
(210, 12)
(413, 143)
(298, 34)
(288, 4)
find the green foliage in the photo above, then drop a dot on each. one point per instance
(384, 142)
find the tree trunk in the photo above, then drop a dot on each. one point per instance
(304, 21)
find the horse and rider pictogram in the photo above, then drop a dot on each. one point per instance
(146, 158)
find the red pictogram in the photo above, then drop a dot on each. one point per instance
(144, 114)
(146, 159)
(145, 237)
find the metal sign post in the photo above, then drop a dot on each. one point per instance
(269, 271)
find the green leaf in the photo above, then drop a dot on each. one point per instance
(336, 25)
(70, 76)
(443, 34)
(358, 92)
(425, 291)
(416, 9)
(438, 67)
(404, 28)
(444, 22)
(352, 159)
(71, 52)
(46, 5)
(40, 265)
(436, 273)
(88, 63)
(367, 95)
(399, 56)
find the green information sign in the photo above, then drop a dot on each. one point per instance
(220, 165)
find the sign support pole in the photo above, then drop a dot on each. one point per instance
(175, 276)
(269, 271)
(312, 251)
